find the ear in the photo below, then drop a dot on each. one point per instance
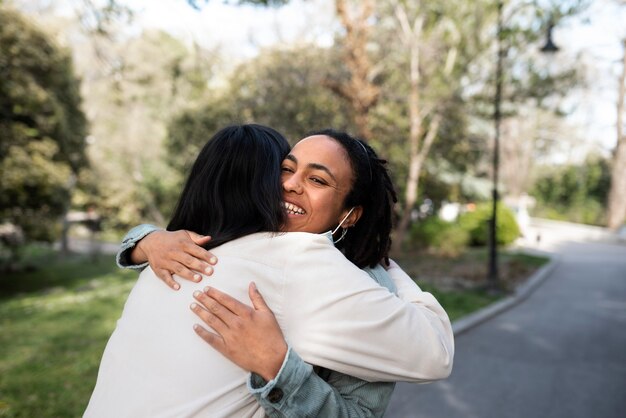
(354, 216)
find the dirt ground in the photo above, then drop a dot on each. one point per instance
(468, 270)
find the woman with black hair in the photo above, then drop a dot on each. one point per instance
(318, 193)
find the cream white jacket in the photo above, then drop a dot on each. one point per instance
(331, 313)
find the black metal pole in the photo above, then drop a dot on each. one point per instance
(493, 279)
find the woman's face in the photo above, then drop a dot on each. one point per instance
(316, 177)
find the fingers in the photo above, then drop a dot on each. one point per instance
(209, 319)
(197, 238)
(213, 311)
(214, 340)
(167, 278)
(197, 258)
(195, 249)
(182, 271)
(191, 263)
(193, 256)
(228, 301)
(256, 298)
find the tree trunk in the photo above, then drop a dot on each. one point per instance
(617, 195)
(419, 145)
(359, 90)
(412, 184)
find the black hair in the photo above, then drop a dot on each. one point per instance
(367, 243)
(234, 187)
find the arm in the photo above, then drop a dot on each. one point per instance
(298, 391)
(129, 242)
(281, 381)
(351, 325)
(168, 253)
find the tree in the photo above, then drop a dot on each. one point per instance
(42, 127)
(131, 97)
(573, 192)
(280, 88)
(421, 137)
(617, 195)
(358, 89)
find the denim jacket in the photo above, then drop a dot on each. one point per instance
(298, 390)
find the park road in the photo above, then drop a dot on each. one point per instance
(559, 354)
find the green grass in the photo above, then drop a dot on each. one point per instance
(460, 303)
(54, 324)
(56, 317)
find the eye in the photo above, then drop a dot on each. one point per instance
(286, 169)
(318, 180)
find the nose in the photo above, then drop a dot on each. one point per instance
(292, 184)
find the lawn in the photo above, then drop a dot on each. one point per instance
(54, 324)
(56, 317)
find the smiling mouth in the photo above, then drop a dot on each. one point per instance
(293, 209)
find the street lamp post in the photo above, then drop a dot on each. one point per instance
(493, 282)
(492, 278)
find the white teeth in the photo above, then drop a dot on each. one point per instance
(293, 209)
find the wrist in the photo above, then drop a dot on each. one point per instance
(269, 370)
(137, 254)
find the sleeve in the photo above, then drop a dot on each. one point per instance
(131, 239)
(354, 326)
(297, 391)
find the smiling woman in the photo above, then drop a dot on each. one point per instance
(316, 181)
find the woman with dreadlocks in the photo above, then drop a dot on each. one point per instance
(332, 184)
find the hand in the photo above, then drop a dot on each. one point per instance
(249, 337)
(177, 252)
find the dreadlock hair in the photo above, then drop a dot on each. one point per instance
(367, 243)
(234, 186)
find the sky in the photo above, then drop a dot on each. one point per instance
(240, 31)
(596, 36)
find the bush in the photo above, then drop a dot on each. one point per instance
(574, 192)
(476, 224)
(444, 238)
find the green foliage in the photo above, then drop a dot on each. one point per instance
(155, 76)
(280, 88)
(284, 88)
(476, 223)
(457, 303)
(34, 188)
(190, 130)
(575, 193)
(441, 237)
(42, 127)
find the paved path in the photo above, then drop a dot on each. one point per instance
(86, 246)
(559, 354)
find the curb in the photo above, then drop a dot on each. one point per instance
(521, 293)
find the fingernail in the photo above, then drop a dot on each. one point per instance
(176, 286)
(213, 260)
(197, 277)
(196, 327)
(193, 305)
(208, 270)
(197, 293)
(206, 289)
